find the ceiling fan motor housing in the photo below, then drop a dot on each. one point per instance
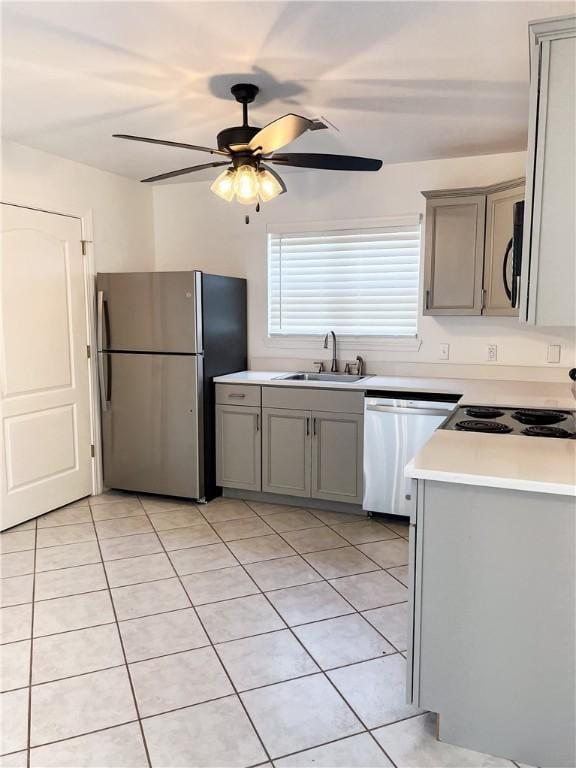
(240, 135)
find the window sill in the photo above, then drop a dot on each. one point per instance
(356, 343)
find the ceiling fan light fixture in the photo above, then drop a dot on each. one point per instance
(246, 184)
(223, 185)
(269, 186)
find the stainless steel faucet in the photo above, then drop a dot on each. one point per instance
(334, 367)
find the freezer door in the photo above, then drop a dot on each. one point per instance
(150, 312)
(152, 423)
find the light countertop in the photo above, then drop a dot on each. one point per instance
(514, 394)
(505, 461)
(521, 463)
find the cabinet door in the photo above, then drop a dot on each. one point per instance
(454, 251)
(286, 442)
(337, 452)
(548, 292)
(499, 224)
(238, 447)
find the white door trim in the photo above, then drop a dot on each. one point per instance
(87, 228)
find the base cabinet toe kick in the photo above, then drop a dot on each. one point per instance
(492, 635)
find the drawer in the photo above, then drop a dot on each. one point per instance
(313, 399)
(238, 394)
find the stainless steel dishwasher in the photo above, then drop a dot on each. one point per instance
(396, 426)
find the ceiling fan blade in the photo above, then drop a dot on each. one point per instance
(169, 143)
(276, 176)
(327, 162)
(279, 133)
(183, 171)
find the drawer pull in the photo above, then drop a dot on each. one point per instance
(236, 394)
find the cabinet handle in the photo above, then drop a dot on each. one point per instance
(314, 426)
(427, 300)
(257, 422)
(235, 394)
(307, 426)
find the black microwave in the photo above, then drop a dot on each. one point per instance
(511, 273)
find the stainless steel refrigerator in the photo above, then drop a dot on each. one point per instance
(162, 337)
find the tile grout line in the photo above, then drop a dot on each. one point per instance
(175, 610)
(328, 678)
(331, 527)
(110, 597)
(198, 617)
(302, 555)
(81, 735)
(343, 577)
(322, 672)
(208, 701)
(206, 645)
(167, 553)
(29, 732)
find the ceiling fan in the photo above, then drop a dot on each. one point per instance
(247, 150)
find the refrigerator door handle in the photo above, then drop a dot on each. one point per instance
(102, 322)
(104, 380)
(100, 319)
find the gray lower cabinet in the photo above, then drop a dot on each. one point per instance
(238, 447)
(301, 442)
(312, 454)
(286, 450)
(337, 445)
(493, 619)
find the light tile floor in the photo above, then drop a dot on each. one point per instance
(156, 632)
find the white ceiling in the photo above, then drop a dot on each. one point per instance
(401, 80)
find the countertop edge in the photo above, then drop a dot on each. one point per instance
(489, 481)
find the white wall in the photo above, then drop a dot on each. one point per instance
(195, 229)
(122, 208)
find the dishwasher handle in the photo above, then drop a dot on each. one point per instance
(412, 411)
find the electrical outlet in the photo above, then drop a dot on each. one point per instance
(444, 352)
(553, 353)
(492, 351)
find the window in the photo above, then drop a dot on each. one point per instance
(357, 282)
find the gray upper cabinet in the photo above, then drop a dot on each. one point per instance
(238, 447)
(467, 232)
(286, 446)
(548, 281)
(454, 249)
(337, 441)
(498, 250)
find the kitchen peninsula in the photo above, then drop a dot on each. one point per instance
(492, 570)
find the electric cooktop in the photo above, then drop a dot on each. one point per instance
(532, 422)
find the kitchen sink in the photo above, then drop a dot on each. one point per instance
(345, 378)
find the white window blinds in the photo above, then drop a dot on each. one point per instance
(360, 282)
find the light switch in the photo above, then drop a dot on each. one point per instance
(444, 351)
(553, 354)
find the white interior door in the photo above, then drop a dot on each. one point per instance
(45, 410)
